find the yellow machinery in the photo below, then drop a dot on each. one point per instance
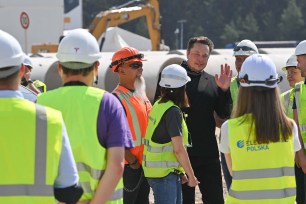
(115, 17)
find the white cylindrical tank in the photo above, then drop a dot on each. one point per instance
(45, 67)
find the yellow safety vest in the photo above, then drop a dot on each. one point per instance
(262, 173)
(159, 159)
(80, 106)
(39, 84)
(300, 100)
(287, 101)
(31, 144)
(234, 90)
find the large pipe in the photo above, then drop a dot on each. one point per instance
(45, 67)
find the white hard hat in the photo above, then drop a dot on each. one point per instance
(78, 47)
(291, 62)
(27, 61)
(258, 70)
(300, 48)
(11, 54)
(245, 48)
(173, 76)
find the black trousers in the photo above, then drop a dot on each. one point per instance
(300, 179)
(136, 186)
(209, 175)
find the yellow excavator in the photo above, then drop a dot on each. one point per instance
(117, 16)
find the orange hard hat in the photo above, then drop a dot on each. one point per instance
(125, 54)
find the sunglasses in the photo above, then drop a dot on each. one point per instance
(135, 65)
(122, 60)
(269, 82)
(243, 48)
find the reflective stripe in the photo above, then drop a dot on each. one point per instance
(94, 173)
(160, 149)
(287, 102)
(263, 194)
(39, 187)
(161, 164)
(123, 97)
(297, 91)
(40, 146)
(26, 190)
(118, 193)
(263, 173)
(157, 149)
(145, 142)
(302, 127)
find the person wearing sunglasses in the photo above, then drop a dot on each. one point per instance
(299, 107)
(243, 50)
(260, 141)
(127, 64)
(36, 86)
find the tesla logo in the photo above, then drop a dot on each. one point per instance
(76, 49)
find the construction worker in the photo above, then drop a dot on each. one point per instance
(260, 141)
(34, 85)
(95, 119)
(243, 50)
(165, 157)
(127, 63)
(37, 165)
(293, 77)
(299, 115)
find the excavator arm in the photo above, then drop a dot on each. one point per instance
(115, 17)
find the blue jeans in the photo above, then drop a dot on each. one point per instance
(167, 190)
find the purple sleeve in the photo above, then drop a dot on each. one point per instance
(112, 127)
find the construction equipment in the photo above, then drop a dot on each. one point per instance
(117, 16)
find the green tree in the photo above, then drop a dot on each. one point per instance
(230, 33)
(249, 28)
(292, 22)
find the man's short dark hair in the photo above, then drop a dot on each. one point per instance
(202, 40)
(84, 71)
(10, 78)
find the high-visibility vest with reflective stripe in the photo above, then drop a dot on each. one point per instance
(262, 173)
(137, 112)
(159, 159)
(31, 144)
(300, 100)
(39, 84)
(234, 89)
(80, 106)
(287, 101)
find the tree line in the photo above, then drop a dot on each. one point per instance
(223, 21)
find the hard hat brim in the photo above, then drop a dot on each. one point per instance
(7, 72)
(76, 65)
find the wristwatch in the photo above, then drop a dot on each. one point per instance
(30, 82)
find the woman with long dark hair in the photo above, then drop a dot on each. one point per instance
(165, 159)
(260, 142)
